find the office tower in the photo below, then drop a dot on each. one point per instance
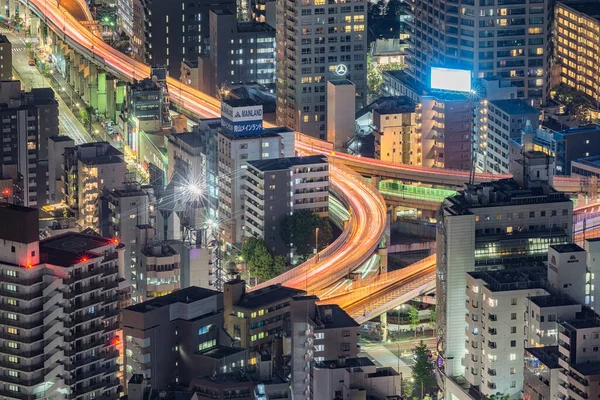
(257, 320)
(60, 332)
(56, 158)
(568, 271)
(508, 310)
(5, 59)
(174, 338)
(28, 120)
(491, 224)
(130, 19)
(340, 99)
(89, 169)
(176, 32)
(241, 53)
(277, 188)
(242, 139)
(264, 11)
(508, 39)
(502, 121)
(318, 42)
(446, 130)
(576, 30)
(121, 211)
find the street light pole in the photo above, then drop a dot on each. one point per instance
(317, 243)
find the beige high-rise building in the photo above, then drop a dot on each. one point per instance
(318, 41)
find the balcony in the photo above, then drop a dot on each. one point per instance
(21, 367)
(21, 309)
(21, 324)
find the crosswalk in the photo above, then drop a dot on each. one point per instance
(17, 49)
(4, 31)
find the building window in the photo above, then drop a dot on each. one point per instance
(13, 331)
(13, 359)
(513, 343)
(513, 329)
(13, 388)
(513, 301)
(12, 288)
(208, 344)
(513, 316)
(319, 335)
(13, 345)
(13, 373)
(204, 329)
(319, 347)
(512, 356)
(513, 384)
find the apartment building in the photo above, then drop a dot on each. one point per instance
(505, 119)
(121, 212)
(318, 41)
(497, 333)
(507, 39)
(397, 133)
(490, 224)
(240, 140)
(28, 121)
(324, 334)
(541, 373)
(241, 53)
(147, 106)
(279, 187)
(60, 297)
(258, 320)
(161, 264)
(576, 32)
(579, 358)
(172, 339)
(91, 168)
(446, 130)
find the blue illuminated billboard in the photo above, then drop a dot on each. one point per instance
(456, 80)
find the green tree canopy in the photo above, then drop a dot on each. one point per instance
(423, 369)
(260, 262)
(414, 319)
(298, 231)
(498, 396)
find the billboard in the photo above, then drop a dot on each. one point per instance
(244, 127)
(241, 114)
(457, 80)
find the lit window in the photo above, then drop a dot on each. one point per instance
(512, 357)
(13, 359)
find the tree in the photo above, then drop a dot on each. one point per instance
(414, 319)
(423, 369)
(298, 232)
(498, 396)
(433, 318)
(259, 261)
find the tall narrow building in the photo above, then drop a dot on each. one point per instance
(318, 41)
(509, 39)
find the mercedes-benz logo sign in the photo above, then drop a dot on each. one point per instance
(341, 70)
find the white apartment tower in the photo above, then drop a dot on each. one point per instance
(318, 41)
(59, 300)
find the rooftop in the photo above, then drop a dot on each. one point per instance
(341, 82)
(286, 163)
(387, 46)
(514, 106)
(240, 102)
(547, 355)
(504, 192)
(252, 27)
(61, 139)
(513, 279)
(186, 296)
(346, 363)
(593, 161)
(588, 368)
(567, 248)
(388, 105)
(266, 296)
(585, 322)
(220, 352)
(332, 316)
(591, 8)
(553, 300)
(72, 248)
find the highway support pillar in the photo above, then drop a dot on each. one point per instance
(102, 92)
(384, 327)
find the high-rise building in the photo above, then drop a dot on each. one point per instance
(178, 32)
(506, 39)
(241, 53)
(446, 131)
(60, 332)
(172, 339)
(277, 188)
(258, 320)
(495, 223)
(6, 72)
(56, 158)
(130, 19)
(577, 29)
(88, 170)
(28, 121)
(504, 119)
(317, 42)
(121, 211)
(242, 139)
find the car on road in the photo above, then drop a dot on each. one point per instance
(32, 62)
